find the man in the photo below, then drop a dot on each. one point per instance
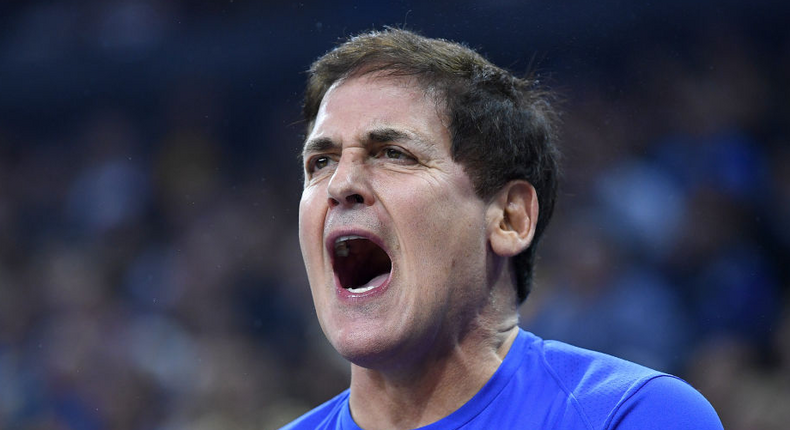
(430, 175)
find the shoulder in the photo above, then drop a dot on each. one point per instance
(325, 416)
(612, 393)
(665, 402)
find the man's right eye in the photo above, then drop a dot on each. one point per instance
(318, 163)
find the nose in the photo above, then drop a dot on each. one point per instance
(349, 185)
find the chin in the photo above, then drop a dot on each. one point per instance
(365, 347)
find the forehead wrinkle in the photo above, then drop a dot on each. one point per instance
(381, 133)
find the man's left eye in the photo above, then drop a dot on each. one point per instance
(394, 153)
(397, 154)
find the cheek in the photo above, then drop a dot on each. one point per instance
(310, 228)
(307, 211)
(447, 229)
(310, 241)
(451, 205)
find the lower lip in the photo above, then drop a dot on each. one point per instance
(349, 296)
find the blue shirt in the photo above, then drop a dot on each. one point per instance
(553, 385)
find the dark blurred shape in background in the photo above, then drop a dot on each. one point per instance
(150, 274)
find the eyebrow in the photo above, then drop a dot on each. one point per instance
(382, 135)
(378, 135)
(319, 144)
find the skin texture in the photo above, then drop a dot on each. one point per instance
(378, 164)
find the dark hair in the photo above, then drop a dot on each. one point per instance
(502, 127)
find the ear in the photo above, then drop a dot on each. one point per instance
(512, 216)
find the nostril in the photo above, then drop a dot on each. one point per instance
(350, 200)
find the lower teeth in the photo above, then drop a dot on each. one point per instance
(362, 289)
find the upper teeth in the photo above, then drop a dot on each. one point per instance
(341, 245)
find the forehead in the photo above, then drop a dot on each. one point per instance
(358, 103)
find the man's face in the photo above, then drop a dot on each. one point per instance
(393, 236)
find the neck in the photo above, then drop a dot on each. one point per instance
(433, 386)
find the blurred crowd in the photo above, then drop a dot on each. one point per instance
(671, 243)
(150, 274)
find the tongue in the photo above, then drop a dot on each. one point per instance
(373, 283)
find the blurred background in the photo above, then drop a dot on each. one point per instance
(150, 273)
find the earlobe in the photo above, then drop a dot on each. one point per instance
(512, 217)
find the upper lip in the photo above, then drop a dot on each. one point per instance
(356, 233)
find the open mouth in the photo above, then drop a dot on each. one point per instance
(360, 264)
